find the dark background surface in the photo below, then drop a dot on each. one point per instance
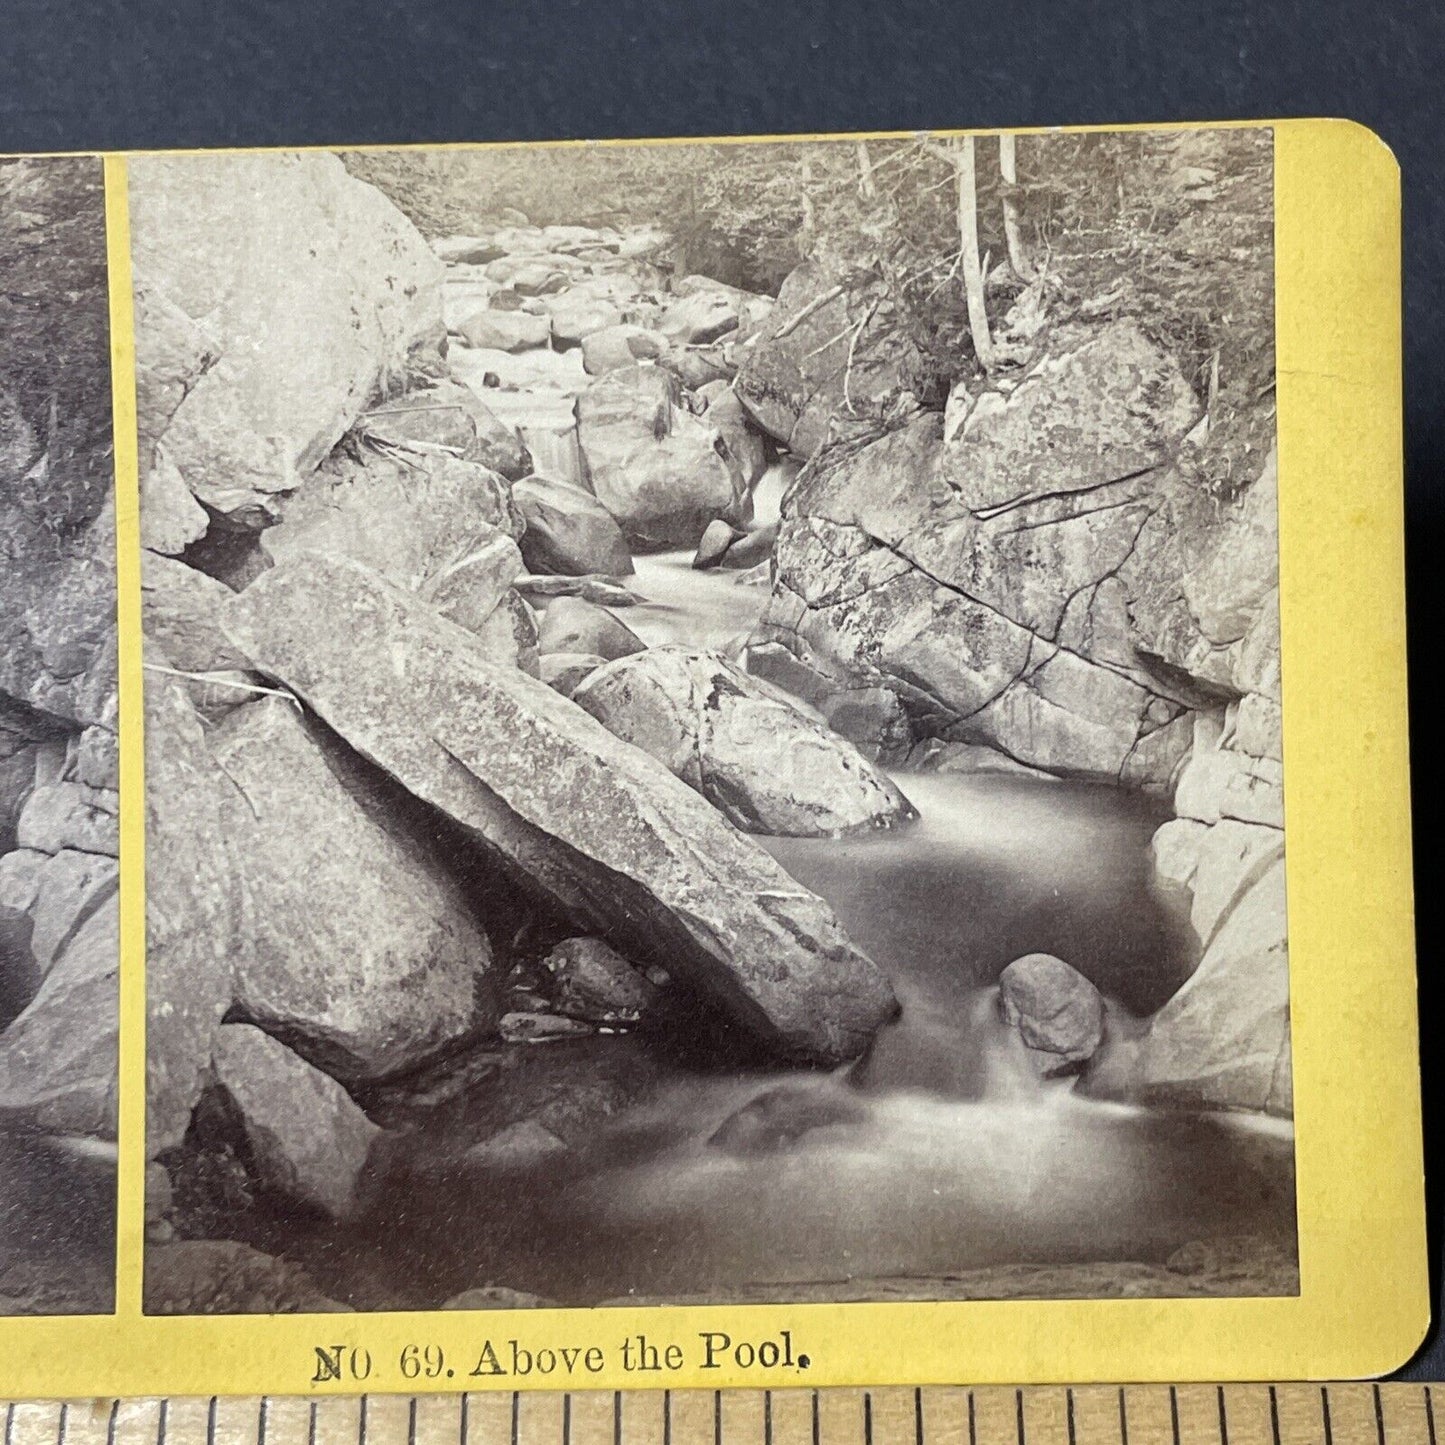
(83, 74)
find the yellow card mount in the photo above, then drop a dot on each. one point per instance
(727, 765)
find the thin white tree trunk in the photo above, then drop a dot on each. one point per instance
(866, 188)
(1018, 256)
(964, 165)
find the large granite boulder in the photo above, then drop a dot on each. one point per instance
(365, 955)
(591, 825)
(411, 517)
(1093, 406)
(1203, 586)
(197, 934)
(614, 348)
(58, 1058)
(580, 317)
(990, 578)
(700, 318)
(1222, 1041)
(747, 747)
(494, 330)
(568, 530)
(446, 413)
(661, 472)
(314, 295)
(305, 1141)
(797, 371)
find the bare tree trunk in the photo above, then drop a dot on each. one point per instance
(805, 231)
(866, 188)
(1013, 234)
(964, 165)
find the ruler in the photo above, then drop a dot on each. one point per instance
(1340, 1414)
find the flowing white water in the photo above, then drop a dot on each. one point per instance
(943, 1151)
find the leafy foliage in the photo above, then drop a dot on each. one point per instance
(1171, 227)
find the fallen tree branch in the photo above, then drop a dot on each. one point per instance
(852, 347)
(816, 304)
(219, 679)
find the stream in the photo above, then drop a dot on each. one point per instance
(940, 1153)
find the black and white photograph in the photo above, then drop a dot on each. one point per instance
(712, 723)
(59, 749)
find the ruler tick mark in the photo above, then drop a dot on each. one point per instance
(616, 1417)
(867, 1417)
(817, 1433)
(109, 1424)
(567, 1419)
(1174, 1413)
(516, 1416)
(311, 1424)
(1274, 1414)
(767, 1417)
(463, 1423)
(65, 1415)
(1223, 1416)
(972, 1421)
(917, 1416)
(1379, 1416)
(1325, 1415)
(717, 1417)
(410, 1422)
(1430, 1414)
(260, 1419)
(1068, 1416)
(1019, 1415)
(1123, 1418)
(210, 1423)
(362, 1423)
(667, 1417)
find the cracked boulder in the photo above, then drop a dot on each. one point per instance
(751, 750)
(991, 581)
(543, 792)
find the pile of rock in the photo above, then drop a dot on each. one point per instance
(377, 840)
(59, 755)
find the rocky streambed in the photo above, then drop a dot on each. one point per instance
(639, 806)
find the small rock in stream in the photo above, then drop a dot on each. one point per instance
(516, 1147)
(782, 1116)
(573, 625)
(1057, 1011)
(716, 540)
(595, 982)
